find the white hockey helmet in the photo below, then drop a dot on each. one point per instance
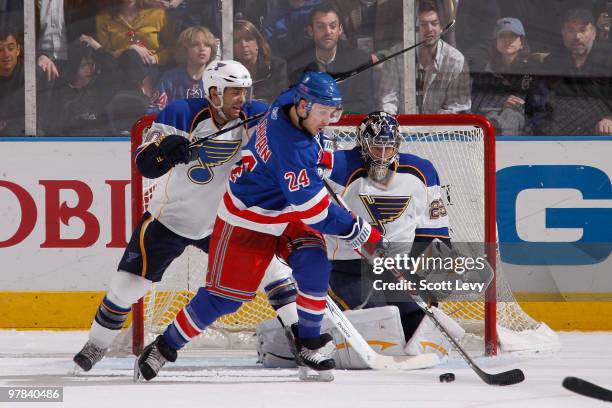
(222, 74)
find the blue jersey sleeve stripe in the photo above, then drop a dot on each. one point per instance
(199, 117)
(437, 232)
(415, 171)
(360, 172)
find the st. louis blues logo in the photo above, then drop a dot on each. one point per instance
(212, 153)
(383, 209)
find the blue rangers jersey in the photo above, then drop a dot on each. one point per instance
(175, 84)
(407, 207)
(185, 200)
(278, 181)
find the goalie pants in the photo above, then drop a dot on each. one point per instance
(351, 286)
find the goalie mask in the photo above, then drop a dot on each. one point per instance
(379, 138)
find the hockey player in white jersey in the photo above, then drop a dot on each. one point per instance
(183, 207)
(400, 194)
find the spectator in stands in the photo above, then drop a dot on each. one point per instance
(371, 25)
(140, 38)
(86, 87)
(507, 84)
(578, 81)
(195, 48)
(59, 23)
(443, 81)
(269, 72)
(335, 56)
(475, 23)
(12, 103)
(603, 14)
(541, 19)
(285, 28)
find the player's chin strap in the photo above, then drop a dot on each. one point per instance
(218, 108)
(506, 378)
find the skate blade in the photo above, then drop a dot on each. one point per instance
(76, 371)
(305, 374)
(138, 378)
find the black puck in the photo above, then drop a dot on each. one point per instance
(447, 377)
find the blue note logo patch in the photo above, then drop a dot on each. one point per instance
(384, 209)
(212, 153)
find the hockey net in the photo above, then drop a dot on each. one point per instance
(462, 148)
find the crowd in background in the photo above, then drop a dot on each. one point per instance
(532, 67)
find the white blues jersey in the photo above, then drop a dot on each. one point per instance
(186, 198)
(409, 206)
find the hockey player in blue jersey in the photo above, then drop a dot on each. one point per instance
(275, 204)
(183, 207)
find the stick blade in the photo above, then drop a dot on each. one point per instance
(506, 378)
(587, 389)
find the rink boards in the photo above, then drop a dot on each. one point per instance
(64, 219)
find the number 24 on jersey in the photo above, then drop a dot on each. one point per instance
(297, 182)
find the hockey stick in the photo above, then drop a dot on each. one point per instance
(582, 387)
(349, 74)
(374, 360)
(505, 378)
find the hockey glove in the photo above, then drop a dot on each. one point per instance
(362, 233)
(175, 149)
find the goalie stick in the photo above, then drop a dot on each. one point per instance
(505, 378)
(588, 389)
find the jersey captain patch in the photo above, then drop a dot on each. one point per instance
(212, 153)
(385, 209)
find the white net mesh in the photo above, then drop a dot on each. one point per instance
(458, 154)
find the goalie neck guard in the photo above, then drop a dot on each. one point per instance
(379, 139)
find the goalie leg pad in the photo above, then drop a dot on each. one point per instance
(125, 289)
(198, 314)
(381, 327)
(428, 339)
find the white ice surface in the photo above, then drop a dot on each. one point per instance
(232, 379)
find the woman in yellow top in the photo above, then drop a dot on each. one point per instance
(139, 37)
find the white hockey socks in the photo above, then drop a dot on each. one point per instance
(125, 289)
